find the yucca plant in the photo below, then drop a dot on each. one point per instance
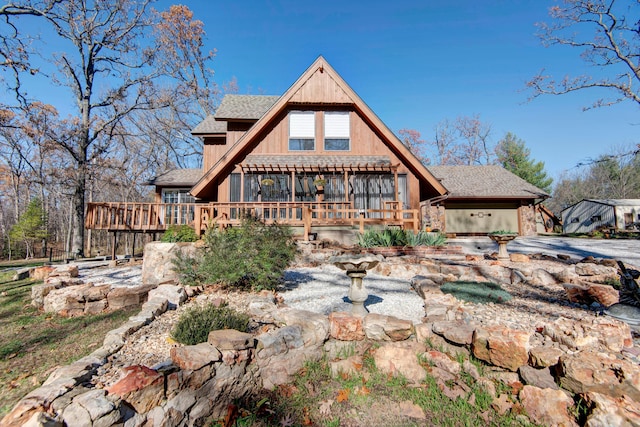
(397, 237)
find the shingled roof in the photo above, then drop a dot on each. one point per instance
(486, 181)
(210, 126)
(177, 178)
(244, 107)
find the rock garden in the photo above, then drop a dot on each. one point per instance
(526, 338)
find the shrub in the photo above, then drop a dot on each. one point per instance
(194, 325)
(503, 232)
(253, 256)
(477, 292)
(398, 237)
(424, 238)
(179, 233)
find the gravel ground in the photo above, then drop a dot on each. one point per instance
(324, 290)
(626, 250)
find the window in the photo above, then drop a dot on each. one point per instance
(575, 220)
(596, 218)
(302, 131)
(267, 188)
(336, 131)
(182, 211)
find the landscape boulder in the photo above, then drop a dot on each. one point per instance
(503, 347)
(157, 265)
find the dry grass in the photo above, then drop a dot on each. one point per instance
(32, 343)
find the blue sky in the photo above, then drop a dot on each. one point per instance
(416, 63)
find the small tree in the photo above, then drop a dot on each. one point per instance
(31, 227)
(514, 156)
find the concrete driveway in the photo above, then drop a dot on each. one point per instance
(627, 251)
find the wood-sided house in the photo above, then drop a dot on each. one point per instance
(316, 158)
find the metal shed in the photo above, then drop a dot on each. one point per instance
(592, 214)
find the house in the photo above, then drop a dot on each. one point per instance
(319, 159)
(482, 199)
(593, 214)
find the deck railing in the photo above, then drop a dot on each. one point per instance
(156, 217)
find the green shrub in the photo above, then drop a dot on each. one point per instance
(253, 256)
(398, 237)
(477, 292)
(179, 233)
(424, 238)
(503, 232)
(194, 325)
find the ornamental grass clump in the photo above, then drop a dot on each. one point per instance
(252, 256)
(194, 325)
(388, 237)
(477, 292)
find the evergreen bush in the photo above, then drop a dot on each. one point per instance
(179, 233)
(252, 256)
(194, 325)
(477, 292)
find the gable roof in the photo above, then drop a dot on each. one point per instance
(616, 202)
(337, 92)
(177, 178)
(607, 202)
(486, 181)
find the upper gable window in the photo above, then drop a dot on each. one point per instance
(336, 131)
(302, 131)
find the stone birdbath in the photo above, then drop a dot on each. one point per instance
(502, 239)
(356, 267)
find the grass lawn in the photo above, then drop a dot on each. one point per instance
(33, 343)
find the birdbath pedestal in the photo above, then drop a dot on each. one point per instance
(356, 267)
(502, 240)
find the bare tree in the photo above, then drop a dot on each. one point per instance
(108, 74)
(412, 139)
(608, 35)
(465, 141)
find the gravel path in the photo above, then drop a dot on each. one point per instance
(324, 290)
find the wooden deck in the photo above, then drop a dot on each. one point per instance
(157, 217)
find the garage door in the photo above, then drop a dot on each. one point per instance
(472, 220)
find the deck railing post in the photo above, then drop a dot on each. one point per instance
(197, 223)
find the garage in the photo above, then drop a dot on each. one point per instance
(480, 219)
(482, 199)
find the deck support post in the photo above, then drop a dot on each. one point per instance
(113, 245)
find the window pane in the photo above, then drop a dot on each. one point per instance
(234, 191)
(336, 144)
(336, 124)
(336, 130)
(299, 144)
(302, 124)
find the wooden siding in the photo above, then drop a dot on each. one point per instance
(321, 87)
(363, 141)
(213, 152)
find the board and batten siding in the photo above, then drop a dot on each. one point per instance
(364, 141)
(587, 216)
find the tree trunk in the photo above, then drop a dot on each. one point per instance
(77, 246)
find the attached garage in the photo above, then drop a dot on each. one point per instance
(482, 218)
(483, 199)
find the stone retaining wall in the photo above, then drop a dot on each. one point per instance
(542, 368)
(201, 380)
